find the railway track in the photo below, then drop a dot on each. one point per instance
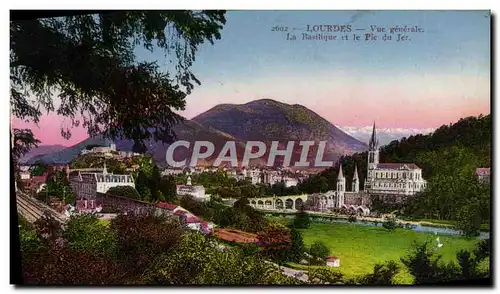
(32, 209)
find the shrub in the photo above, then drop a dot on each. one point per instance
(301, 220)
(319, 250)
(390, 224)
(87, 234)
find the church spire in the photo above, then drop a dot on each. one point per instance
(341, 176)
(105, 170)
(373, 140)
(355, 176)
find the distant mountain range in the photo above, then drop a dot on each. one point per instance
(260, 120)
(41, 150)
(385, 135)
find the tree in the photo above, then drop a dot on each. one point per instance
(196, 260)
(22, 142)
(249, 191)
(230, 217)
(323, 276)
(390, 224)
(159, 196)
(57, 185)
(89, 61)
(64, 266)
(275, 240)
(297, 249)
(469, 219)
(241, 203)
(154, 180)
(146, 195)
(319, 250)
(426, 266)
(191, 204)
(86, 233)
(168, 188)
(141, 181)
(383, 274)
(469, 261)
(301, 220)
(48, 228)
(38, 169)
(124, 191)
(142, 237)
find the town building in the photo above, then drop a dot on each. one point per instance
(272, 177)
(290, 182)
(172, 172)
(197, 192)
(105, 150)
(127, 154)
(333, 261)
(86, 184)
(483, 175)
(34, 184)
(24, 173)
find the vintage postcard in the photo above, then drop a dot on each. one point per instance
(252, 147)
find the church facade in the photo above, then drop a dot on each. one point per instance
(389, 182)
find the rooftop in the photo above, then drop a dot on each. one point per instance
(483, 171)
(397, 166)
(166, 205)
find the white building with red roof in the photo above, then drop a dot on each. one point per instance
(333, 261)
(483, 174)
(190, 220)
(197, 192)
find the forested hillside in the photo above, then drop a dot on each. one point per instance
(448, 157)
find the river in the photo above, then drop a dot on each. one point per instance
(415, 227)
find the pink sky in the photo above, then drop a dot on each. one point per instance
(420, 101)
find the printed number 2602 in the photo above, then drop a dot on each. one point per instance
(279, 29)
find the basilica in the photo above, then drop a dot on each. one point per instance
(389, 182)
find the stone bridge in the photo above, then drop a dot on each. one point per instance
(279, 202)
(320, 202)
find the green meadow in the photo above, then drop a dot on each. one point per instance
(361, 247)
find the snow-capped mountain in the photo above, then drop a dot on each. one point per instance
(385, 135)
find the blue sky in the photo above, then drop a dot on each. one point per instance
(438, 77)
(251, 62)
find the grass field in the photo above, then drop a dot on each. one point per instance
(105, 222)
(361, 247)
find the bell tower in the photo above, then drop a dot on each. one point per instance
(373, 158)
(340, 188)
(373, 150)
(355, 180)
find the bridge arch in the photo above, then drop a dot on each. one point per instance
(279, 204)
(299, 203)
(289, 204)
(253, 202)
(260, 204)
(269, 204)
